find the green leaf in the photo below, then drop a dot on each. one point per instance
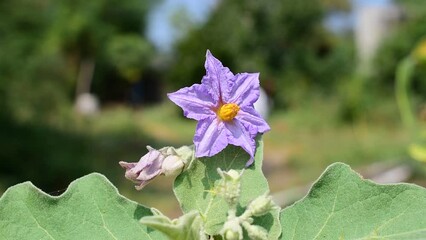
(91, 208)
(341, 205)
(194, 187)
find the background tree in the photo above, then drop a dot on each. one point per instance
(399, 45)
(45, 46)
(50, 48)
(284, 40)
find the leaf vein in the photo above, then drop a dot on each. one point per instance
(329, 215)
(103, 220)
(38, 224)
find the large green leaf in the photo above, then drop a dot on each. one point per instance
(91, 208)
(341, 205)
(194, 188)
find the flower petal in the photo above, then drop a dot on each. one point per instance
(238, 135)
(195, 101)
(245, 91)
(148, 167)
(210, 137)
(129, 174)
(153, 168)
(218, 79)
(249, 117)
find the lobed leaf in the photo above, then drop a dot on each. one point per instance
(342, 205)
(91, 208)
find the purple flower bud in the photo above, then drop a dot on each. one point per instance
(148, 167)
(166, 161)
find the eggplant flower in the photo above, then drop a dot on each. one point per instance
(223, 106)
(166, 161)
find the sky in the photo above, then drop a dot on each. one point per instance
(343, 22)
(161, 32)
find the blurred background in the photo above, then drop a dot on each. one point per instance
(83, 85)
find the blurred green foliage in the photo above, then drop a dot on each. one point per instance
(284, 40)
(398, 46)
(45, 155)
(130, 55)
(44, 44)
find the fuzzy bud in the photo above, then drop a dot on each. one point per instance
(256, 232)
(232, 230)
(172, 165)
(261, 205)
(229, 188)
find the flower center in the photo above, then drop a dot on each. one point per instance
(228, 111)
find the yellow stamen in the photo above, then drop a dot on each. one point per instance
(228, 111)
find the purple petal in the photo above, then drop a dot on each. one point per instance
(218, 79)
(129, 174)
(141, 185)
(210, 137)
(148, 167)
(195, 101)
(249, 117)
(154, 160)
(239, 136)
(147, 160)
(245, 91)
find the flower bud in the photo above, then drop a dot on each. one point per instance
(166, 161)
(261, 205)
(231, 235)
(232, 230)
(172, 166)
(231, 176)
(148, 167)
(256, 232)
(229, 188)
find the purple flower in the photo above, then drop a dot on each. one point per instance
(223, 106)
(166, 161)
